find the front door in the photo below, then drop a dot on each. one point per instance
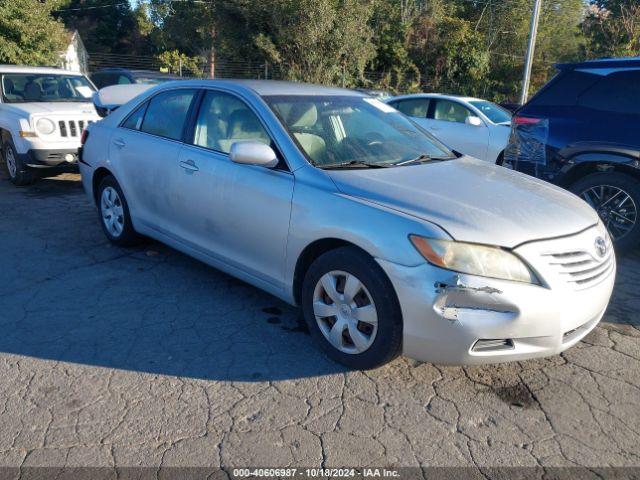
(238, 214)
(449, 124)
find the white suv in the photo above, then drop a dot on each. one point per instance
(43, 112)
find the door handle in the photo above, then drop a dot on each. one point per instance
(434, 128)
(189, 166)
(119, 143)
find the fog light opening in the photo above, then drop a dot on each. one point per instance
(493, 345)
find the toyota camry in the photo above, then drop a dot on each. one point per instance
(331, 200)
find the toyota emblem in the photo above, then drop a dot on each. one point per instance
(601, 247)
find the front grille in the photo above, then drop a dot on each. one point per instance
(580, 268)
(73, 128)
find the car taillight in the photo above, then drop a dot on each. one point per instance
(520, 120)
(84, 136)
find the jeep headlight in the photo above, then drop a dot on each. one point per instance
(45, 126)
(473, 259)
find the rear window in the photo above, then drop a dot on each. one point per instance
(415, 107)
(564, 89)
(618, 92)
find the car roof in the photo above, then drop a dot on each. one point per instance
(269, 87)
(136, 72)
(623, 62)
(435, 95)
(42, 70)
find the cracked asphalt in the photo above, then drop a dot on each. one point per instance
(145, 357)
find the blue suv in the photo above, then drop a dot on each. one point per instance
(582, 132)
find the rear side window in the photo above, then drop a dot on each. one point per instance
(617, 92)
(564, 89)
(417, 107)
(167, 113)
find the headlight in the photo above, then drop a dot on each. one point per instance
(474, 259)
(45, 126)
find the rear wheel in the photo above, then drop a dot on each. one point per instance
(351, 308)
(114, 213)
(18, 171)
(616, 198)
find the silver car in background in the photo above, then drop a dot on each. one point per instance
(336, 202)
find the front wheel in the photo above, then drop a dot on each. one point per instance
(18, 172)
(114, 214)
(351, 309)
(616, 198)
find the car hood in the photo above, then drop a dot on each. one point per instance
(51, 107)
(471, 200)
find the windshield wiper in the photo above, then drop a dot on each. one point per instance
(423, 158)
(356, 163)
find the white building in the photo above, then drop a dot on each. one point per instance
(75, 57)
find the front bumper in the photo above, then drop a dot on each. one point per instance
(462, 319)
(51, 158)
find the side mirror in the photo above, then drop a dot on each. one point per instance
(473, 120)
(253, 153)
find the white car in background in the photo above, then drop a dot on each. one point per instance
(472, 126)
(43, 112)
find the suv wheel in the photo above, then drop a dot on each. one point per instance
(616, 198)
(18, 172)
(351, 309)
(114, 213)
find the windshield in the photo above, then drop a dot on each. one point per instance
(23, 88)
(334, 130)
(493, 112)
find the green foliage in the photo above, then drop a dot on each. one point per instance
(108, 28)
(177, 63)
(320, 41)
(28, 33)
(612, 28)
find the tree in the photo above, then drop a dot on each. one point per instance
(28, 33)
(320, 41)
(612, 28)
(108, 27)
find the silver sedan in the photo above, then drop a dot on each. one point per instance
(336, 202)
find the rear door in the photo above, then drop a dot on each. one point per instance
(449, 124)
(145, 148)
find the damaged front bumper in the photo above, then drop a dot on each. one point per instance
(452, 318)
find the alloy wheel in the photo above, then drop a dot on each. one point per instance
(615, 207)
(10, 158)
(345, 312)
(112, 211)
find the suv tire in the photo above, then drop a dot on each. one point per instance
(113, 212)
(626, 185)
(19, 173)
(378, 329)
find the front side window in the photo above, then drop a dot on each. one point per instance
(29, 88)
(493, 112)
(167, 113)
(337, 130)
(223, 120)
(414, 107)
(448, 111)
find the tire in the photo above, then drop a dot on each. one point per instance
(612, 182)
(383, 340)
(19, 173)
(112, 204)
